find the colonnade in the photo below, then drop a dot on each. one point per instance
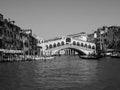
(70, 52)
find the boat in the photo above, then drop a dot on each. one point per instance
(49, 57)
(115, 55)
(89, 57)
(44, 58)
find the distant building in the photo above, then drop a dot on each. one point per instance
(91, 37)
(14, 39)
(81, 36)
(10, 35)
(114, 37)
(53, 39)
(107, 37)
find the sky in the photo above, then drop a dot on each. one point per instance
(54, 18)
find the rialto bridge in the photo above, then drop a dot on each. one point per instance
(68, 44)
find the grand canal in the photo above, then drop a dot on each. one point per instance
(62, 73)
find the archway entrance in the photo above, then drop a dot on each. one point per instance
(68, 40)
(69, 52)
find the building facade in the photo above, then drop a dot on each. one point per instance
(15, 40)
(81, 36)
(91, 37)
(10, 35)
(114, 37)
(106, 38)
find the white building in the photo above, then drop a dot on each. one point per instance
(81, 36)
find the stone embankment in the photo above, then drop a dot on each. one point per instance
(27, 58)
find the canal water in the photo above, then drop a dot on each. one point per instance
(62, 73)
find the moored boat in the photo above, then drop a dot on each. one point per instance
(115, 55)
(89, 57)
(44, 58)
(49, 57)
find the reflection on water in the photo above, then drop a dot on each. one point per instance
(62, 73)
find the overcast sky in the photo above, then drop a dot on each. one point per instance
(52, 18)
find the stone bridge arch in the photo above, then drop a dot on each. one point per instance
(79, 49)
(80, 52)
(68, 42)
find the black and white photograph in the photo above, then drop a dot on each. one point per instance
(59, 44)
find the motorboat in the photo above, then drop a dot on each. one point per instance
(89, 57)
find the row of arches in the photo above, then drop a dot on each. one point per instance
(74, 43)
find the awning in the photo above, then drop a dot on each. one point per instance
(11, 51)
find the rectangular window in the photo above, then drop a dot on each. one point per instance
(1, 32)
(0, 43)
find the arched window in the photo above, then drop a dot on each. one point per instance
(89, 46)
(74, 43)
(85, 45)
(62, 43)
(78, 43)
(54, 45)
(50, 46)
(93, 47)
(82, 44)
(58, 44)
(68, 40)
